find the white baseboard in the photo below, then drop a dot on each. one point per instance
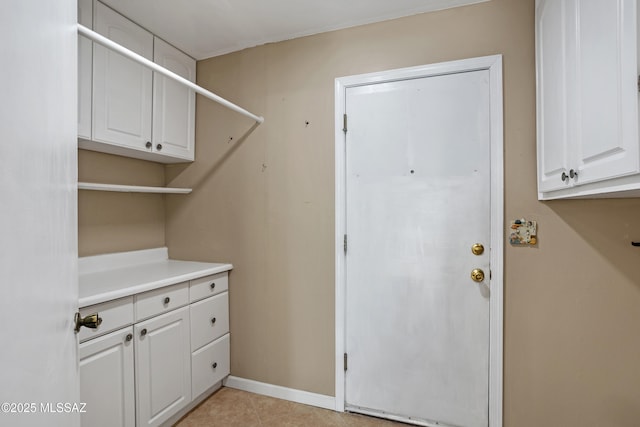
(298, 396)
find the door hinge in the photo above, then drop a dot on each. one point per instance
(344, 244)
(344, 121)
(345, 361)
(638, 91)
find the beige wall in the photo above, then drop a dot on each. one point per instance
(264, 201)
(115, 222)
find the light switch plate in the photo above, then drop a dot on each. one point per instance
(523, 232)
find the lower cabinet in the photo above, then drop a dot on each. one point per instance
(163, 366)
(210, 364)
(107, 381)
(154, 353)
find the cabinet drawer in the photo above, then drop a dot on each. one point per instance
(114, 314)
(209, 365)
(209, 285)
(209, 320)
(161, 300)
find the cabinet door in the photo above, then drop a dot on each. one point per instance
(121, 87)
(85, 58)
(552, 64)
(106, 380)
(173, 103)
(606, 79)
(163, 366)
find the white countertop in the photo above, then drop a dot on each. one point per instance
(108, 277)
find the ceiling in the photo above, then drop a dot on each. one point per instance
(206, 28)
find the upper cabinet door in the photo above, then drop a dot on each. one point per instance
(122, 88)
(607, 89)
(552, 26)
(173, 103)
(85, 58)
(587, 93)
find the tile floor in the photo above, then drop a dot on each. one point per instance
(234, 408)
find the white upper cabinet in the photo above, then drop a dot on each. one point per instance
(123, 107)
(85, 59)
(121, 87)
(606, 76)
(587, 93)
(551, 52)
(174, 104)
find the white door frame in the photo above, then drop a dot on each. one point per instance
(494, 65)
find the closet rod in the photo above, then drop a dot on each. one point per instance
(98, 38)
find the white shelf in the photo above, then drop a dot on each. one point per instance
(131, 188)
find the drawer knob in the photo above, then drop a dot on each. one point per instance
(213, 286)
(129, 337)
(213, 320)
(143, 332)
(215, 365)
(166, 300)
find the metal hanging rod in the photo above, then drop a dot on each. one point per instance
(100, 39)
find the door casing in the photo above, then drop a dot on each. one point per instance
(494, 65)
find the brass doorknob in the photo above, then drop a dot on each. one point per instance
(477, 249)
(477, 275)
(92, 321)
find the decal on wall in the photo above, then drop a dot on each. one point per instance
(523, 232)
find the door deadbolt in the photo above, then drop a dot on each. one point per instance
(477, 249)
(477, 275)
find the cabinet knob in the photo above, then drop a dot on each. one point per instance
(148, 144)
(573, 174)
(129, 337)
(213, 285)
(166, 300)
(215, 365)
(159, 147)
(143, 332)
(213, 321)
(564, 176)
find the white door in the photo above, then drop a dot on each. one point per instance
(38, 222)
(417, 200)
(106, 380)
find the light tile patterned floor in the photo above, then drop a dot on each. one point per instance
(234, 408)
